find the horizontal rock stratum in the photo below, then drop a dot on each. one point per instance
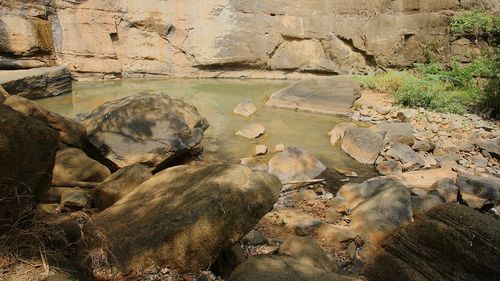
(226, 38)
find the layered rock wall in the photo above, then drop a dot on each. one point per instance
(227, 38)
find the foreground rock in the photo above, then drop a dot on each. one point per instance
(119, 185)
(363, 145)
(378, 207)
(3, 94)
(492, 146)
(27, 154)
(37, 82)
(71, 132)
(148, 129)
(451, 242)
(295, 164)
(73, 166)
(330, 96)
(299, 259)
(199, 211)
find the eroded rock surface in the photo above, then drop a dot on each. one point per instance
(199, 211)
(147, 129)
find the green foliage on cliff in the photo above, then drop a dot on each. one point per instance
(457, 88)
(475, 22)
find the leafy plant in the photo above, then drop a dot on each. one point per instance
(475, 22)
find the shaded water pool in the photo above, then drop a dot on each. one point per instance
(215, 100)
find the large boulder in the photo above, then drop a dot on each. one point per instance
(71, 132)
(362, 144)
(185, 216)
(330, 96)
(147, 128)
(295, 164)
(73, 166)
(27, 154)
(119, 185)
(377, 207)
(37, 83)
(451, 242)
(491, 145)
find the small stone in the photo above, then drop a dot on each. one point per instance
(279, 148)
(390, 167)
(251, 131)
(76, 199)
(423, 145)
(364, 112)
(351, 250)
(254, 238)
(245, 109)
(384, 110)
(260, 150)
(307, 228)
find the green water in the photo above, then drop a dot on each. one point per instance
(216, 99)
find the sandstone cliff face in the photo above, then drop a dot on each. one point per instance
(220, 38)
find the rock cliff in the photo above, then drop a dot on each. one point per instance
(225, 38)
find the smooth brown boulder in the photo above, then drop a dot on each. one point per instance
(27, 154)
(295, 164)
(451, 242)
(146, 128)
(73, 165)
(185, 216)
(121, 183)
(71, 132)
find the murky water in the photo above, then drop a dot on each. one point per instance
(216, 99)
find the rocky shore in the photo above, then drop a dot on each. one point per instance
(125, 189)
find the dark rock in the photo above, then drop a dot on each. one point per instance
(71, 132)
(147, 128)
(464, 241)
(37, 82)
(492, 146)
(483, 187)
(254, 238)
(73, 165)
(186, 216)
(119, 185)
(27, 155)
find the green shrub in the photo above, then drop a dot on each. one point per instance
(475, 22)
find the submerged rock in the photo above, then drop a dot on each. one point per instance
(245, 109)
(451, 242)
(295, 164)
(27, 154)
(147, 128)
(362, 144)
(254, 164)
(337, 133)
(185, 216)
(251, 131)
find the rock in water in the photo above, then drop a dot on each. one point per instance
(245, 109)
(147, 129)
(27, 154)
(295, 164)
(362, 144)
(451, 242)
(185, 216)
(251, 131)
